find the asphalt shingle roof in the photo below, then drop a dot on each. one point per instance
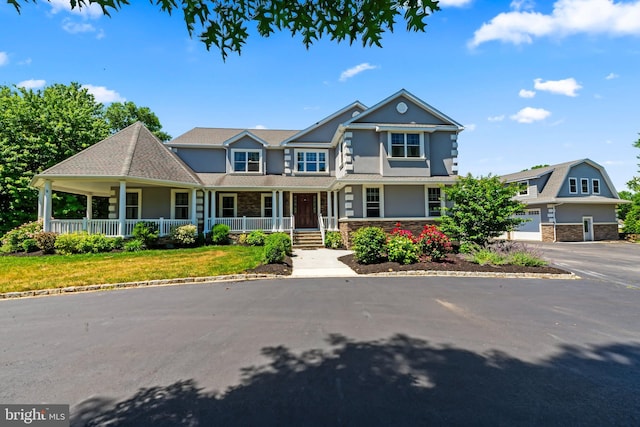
(255, 181)
(217, 136)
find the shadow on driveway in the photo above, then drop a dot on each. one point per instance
(397, 381)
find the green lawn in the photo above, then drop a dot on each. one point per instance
(58, 271)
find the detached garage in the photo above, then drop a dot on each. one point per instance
(530, 230)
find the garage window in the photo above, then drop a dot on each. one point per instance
(573, 185)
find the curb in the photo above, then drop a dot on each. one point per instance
(479, 274)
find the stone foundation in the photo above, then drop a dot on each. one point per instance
(605, 232)
(346, 228)
(574, 232)
(547, 232)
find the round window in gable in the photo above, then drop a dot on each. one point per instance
(402, 107)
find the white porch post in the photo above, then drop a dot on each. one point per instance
(206, 210)
(214, 210)
(329, 211)
(194, 217)
(89, 206)
(40, 202)
(319, 207)
(46, 211)
(280, 208)
(274, 216)
(335, 208)
(122, 209)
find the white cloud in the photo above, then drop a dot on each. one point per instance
(470, 127)
(77, 27)
(454, 3)
(611, 76)
(91, 11)
(347, 74)
(526, 93)
(32, 84)
(566, 87)
(260, 127)
(496, 118)
(4, 58)
(530, 115)
(567, 18)
(25, 62)
(522, 4)
(104, 95)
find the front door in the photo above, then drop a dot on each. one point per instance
(304, 209)
(587, 228)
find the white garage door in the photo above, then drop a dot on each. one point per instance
(530, 230)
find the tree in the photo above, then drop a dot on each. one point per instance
(120, 115)
(631, 211)
(37, 130)
(483, 208)
(224, 23)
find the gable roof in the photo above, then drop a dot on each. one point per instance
(558, 175)
(217, 137)
(133, 152)
(405, 93)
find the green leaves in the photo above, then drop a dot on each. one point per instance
(224, 23)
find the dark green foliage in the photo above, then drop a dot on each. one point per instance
(120, 115)
(146, 232)
(256, 238)
(14, 239)
(483, 208)
(333, 240)
(46, 241)
(284, 238)
(369, 244)
(632, 220)
(225, 24)
(29, 245)
(134, 245)
(276, 247)
(220, 234)
(83, 243)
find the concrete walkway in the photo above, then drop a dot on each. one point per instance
(320, 263)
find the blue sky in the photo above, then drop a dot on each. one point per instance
(532, 82)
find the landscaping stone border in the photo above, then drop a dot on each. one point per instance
(253, 276)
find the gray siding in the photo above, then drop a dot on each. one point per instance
(325, 132)
(275, 162)
(580, 171)
(356, 203)
(366, 151)
(404, 201)
(156, 201)
(389, 114)
(210, 160)
(245, 143)
(574, 213)
(440, 146)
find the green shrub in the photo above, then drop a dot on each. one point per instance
(29, 245)
(256, 238)
(276, 247)
(146, 232)
(333, 240)
(134, 245)
(12, 241)
(433, 243)
(486, 256)
(82, 243)
(525, 259)
(220, 234)
(185, 235)
(46, 241)
(468, 247)
(369, 244)
(242, 239)
(284, 237)
(68, 244)
(401, 249)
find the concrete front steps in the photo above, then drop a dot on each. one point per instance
(307, 239)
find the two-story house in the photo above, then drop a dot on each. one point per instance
(359, 166)
(567, 202)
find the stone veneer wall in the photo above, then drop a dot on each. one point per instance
(569, 233)
(573, 232)
(348, 227)
(547, 232)
(605, 232)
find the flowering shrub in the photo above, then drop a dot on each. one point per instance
(399, 231)
(14, 239)
(46, 241)
(433, 243)
(369, 244)
(185, 235)
(402, 249)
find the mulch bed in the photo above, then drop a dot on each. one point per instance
(283, 269)
(451, 263)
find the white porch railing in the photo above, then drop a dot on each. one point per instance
(246, 223)
(109, 227)
(321, 224)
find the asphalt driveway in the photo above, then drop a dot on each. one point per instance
(615, 263)
(323, 352)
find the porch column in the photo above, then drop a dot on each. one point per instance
(335, 208)
(40, 202)
(274, 216)
(329, 211)
(89, 206)
(46, 208)
(206, 210)
(280, 209)
(122, 209)
(194, 215)
(214, 199)
(319, 207)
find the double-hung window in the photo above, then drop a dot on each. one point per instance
(573, 185)
(311, 161)
(584, 186)
(180, 205)
(434, 202)
(133, 201)
(406, 145)
(524, 188)
(267, 206)
(373, 202)
(247, 160)
(228, 205)
(595, 186)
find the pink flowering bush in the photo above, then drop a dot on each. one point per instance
(433, 243)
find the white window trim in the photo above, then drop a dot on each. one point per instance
(173, 201)
(526, 190)
(583, 180)
(426, 202)
(139, 191)
(422, 151)
(364, 200)
(246, 150)
(576, 181)
(263, 197)
(311, 150)
(221, 207)
(593, 187)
